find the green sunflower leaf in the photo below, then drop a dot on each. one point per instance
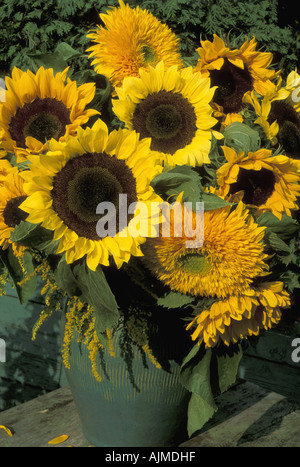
(196, 378)
(241, 137)
(195, 372)
(90, 287)
(19, 269)
(277, 244)
(290, 279)
(34, 236)
(58, 60)
(184, 179)
(228, 366)
(175, 300)
(285, 227)
(212, 201)
(199, 412)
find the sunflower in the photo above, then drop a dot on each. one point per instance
(230, 257)
(131, 39)
(66, 185)
(11, 196)
(270, 183)
(40, 107)
(278, 113)
(235, 71)
(239, 316)
(5, 168)
(172, 108)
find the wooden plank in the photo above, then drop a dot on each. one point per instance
(275, 345)
(267, 361)
(281, 378)
(248, 416)
(37, 422)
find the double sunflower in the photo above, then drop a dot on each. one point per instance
(130, 39)
(227, 272)
(172, 107)
(40, 107)
(239, 316)
(66, 185)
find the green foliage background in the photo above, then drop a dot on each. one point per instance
(35, 26)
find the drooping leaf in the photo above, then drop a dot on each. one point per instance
(228, 366)
(195, 372)
(196, 377)
(199, 412)
(90, 287)
(21, 271)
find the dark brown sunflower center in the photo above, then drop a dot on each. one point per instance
(289, 126)
(258, 185)
(83, 183)
(41, 119)
(232, 83)
(12, 214)
(167, 118)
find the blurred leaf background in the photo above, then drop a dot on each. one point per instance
(31, 27)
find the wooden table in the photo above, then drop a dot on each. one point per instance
(248, 416)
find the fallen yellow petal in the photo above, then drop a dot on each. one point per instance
(59, 439)
(8, 431)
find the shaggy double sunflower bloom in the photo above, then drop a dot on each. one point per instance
(66, 185)
(224, 269)
(40, 107)
(131, 39)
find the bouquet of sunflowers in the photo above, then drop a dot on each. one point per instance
(167, 187)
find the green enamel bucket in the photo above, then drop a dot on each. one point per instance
(136, 406)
